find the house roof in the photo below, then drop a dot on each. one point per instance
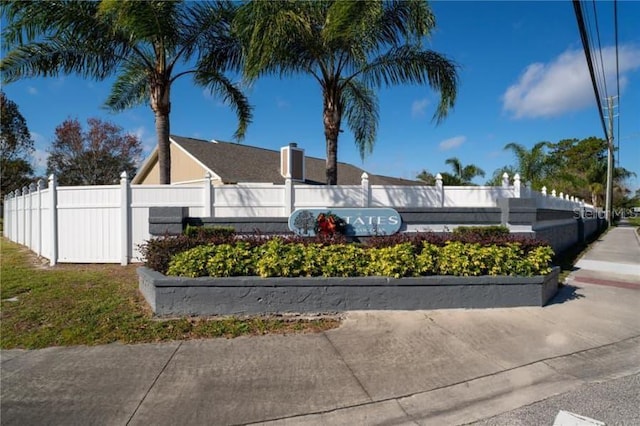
(234, 162)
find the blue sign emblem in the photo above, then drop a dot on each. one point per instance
(360, 222)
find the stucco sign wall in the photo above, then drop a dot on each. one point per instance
(360, 222)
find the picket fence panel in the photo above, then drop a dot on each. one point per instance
(108, 223)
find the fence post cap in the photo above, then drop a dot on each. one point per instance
(364, 176)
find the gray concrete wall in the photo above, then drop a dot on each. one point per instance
(561, 228)
(252, 295)
(592, 226)
(560, 234)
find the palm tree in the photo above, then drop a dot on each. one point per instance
(533, 164)
(146, 44)
(496, 178)
(462, 175)
(350, 48)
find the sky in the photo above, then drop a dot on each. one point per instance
(523, 78)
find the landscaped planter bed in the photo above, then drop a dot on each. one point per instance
(168, 295)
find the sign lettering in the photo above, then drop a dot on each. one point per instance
(361, 222)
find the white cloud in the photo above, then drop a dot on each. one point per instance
(452, 143)
(32, 90)
(38, 139)
(564, 84)
(206, 93)
(39, 161)
(282, 103)
(418, 107)
(148, 141)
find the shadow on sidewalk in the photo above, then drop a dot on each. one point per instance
(566, 293)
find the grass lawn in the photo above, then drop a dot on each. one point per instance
(99, 304)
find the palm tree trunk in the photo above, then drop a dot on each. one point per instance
(161, 108)
(331, 117)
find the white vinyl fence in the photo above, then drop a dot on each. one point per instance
(106, 224)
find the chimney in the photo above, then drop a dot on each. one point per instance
(292, 162)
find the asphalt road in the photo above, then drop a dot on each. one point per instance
(614, 402)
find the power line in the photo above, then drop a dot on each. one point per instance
(615, 26)
(587, 52)
(603, 74)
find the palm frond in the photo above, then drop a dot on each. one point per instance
(279, 37)
(410, 64)
(231, 94)
(54, 58)
(130, 89)
(361, 111)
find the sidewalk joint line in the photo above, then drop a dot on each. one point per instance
(409, 395)
(164, 367)
(335, 349)
(464, 343)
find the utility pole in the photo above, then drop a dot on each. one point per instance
(609, 195)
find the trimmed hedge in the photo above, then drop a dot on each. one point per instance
(157, 252)
(280, 258)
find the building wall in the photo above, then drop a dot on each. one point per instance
(183, 169)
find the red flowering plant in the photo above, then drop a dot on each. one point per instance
(329, 224)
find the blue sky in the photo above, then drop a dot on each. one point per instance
(523, 78)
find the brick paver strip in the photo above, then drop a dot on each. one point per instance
(598, 281)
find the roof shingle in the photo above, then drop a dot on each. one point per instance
(235, 162)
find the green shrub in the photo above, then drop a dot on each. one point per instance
(455, 258)
(481, 231)
(222, 260)
(226, 232)
(191, 263)
(398, 261)
(158, 252)
(280, 258)
(502, 260)
(536, 262)
(427, 260)
(230, 260)
(343, 260)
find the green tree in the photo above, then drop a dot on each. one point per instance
(427, 177)
(496, 178)
(462, 175)
(579, 167)
(146, 44)
(532, 164)
(93, 157)
(16, 147)
(350, 48)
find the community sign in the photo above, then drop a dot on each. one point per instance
(357, 222)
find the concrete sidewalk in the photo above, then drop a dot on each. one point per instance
(614, 259)
(441, 367)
